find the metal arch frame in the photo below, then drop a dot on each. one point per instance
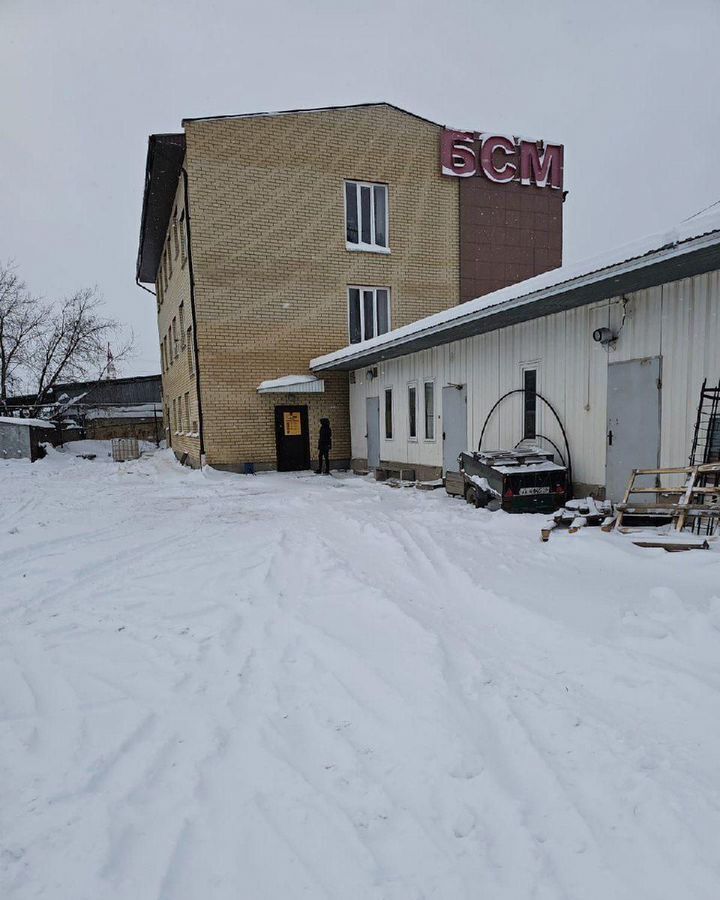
(552, 410)
(544, 437)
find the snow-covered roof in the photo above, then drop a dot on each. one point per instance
(32, 423)
(292, 384)
(606, 270)
(138, 411)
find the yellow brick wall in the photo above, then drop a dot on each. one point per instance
(177, 378)
(272, 268)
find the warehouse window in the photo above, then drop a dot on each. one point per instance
(368, 313)
(181, 313)
(176, 239)
(412, 412)
(175, 419)
(388, 414)
(429, 410)
(366, 216)
(175, 341)
(530, 403)
(189, 351)
(187, 411)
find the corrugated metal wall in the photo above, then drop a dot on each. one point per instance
(680, 322)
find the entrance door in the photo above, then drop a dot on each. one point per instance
(633, 430)
(292, 439)
(454, 422)
(372, 406)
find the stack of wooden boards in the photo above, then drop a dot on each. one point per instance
(680, 517)
(577, 514)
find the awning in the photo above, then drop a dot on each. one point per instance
(292, 384)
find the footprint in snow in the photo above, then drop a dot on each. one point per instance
(464, 823)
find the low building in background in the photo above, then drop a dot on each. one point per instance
(610, 354)
(102, 410)
(272, 238)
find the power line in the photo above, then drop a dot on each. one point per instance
(700, 211)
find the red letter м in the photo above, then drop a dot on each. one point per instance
(548, 170)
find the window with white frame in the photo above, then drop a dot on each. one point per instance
(183, 239)
(366, 216)
(176, 238)
(368, 313)
(429, 391)
(412, 411)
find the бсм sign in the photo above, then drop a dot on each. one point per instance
(500, 158)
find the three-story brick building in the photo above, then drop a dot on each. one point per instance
(275, 238)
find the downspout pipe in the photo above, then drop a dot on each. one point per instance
(193, 314)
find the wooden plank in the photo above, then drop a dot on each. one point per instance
(665, 471)
(639, 508)
(608, 523)
(577, 523)
(546, 529)
(657, 490)
(672, 544)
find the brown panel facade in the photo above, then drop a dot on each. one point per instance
(508, 232)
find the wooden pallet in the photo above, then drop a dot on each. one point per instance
(695, 504)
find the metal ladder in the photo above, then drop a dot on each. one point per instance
(705, 451)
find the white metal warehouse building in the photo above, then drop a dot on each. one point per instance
(422, 393)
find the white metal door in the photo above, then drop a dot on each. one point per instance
(454, 423)
(372, 406)
(633, 429)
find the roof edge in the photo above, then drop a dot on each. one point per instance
(437, 331)
(177, 138)
(311, 109)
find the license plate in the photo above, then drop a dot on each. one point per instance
(524, 492)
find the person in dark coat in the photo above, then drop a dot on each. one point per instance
(324, 446)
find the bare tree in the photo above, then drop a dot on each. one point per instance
(21, 316)
(43, 344)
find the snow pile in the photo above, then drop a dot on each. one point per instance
(287, 686)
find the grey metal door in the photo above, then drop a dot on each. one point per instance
(454, 423)
(372, 406)
(633, 421)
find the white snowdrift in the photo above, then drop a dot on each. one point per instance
(217, 686)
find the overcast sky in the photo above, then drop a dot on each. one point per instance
(631, 87)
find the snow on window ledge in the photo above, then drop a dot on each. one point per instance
(367, 248)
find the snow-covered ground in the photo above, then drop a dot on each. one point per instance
(217, 686)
